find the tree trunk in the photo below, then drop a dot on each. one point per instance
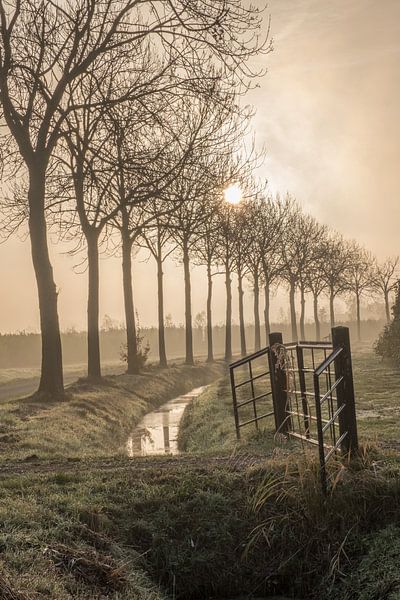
(161, 326)
(93, 335)
(51, 379)
(387, 307)
(302, 314)
(188, 307)
(257, 325)
(358, 317)
(243, 349)
(228, 319)
(131, 339)
(210, 352)
(332, 308)
(316, 319)
(292, 292)
(267, 323)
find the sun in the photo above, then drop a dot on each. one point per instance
(233, 194)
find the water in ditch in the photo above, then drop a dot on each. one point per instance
(157, 432)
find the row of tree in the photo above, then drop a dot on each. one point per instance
(270, 243)
(109, 112)
(122, 126)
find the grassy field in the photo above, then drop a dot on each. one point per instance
(196, 530)
(78, 520)
(94, 419)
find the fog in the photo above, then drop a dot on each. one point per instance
(328, 114)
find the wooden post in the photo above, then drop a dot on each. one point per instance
(278, 385)
(345, 390)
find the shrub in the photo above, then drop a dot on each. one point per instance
(388, 343)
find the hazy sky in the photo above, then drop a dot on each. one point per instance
(328, 112)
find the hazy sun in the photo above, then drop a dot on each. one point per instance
(233, 194)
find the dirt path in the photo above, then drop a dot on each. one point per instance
(137, 464)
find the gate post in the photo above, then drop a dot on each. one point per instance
(278, 385)
(235, 408)
(345, 390)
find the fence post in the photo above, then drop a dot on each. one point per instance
(278, 385)
(235, 408)
(303, 389)
(345, 390)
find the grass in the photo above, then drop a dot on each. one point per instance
(208, 422)
(227, 520)
(195, 531)
(95, 419)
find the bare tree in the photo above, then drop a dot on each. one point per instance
(301, 233)
(147, 149)
(268, 223)
(334, 269)
(206, 253)
(315, 280)
(158, 241)
(359, 276)
(253, 260)
(242, 230)
(384, 279)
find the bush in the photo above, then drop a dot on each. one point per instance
(142, 349)
(388, 343)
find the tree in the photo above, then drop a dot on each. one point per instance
(384, 279)
(145, 154)
(359, 276)
(388, 344)
(227, 261)
(334, 268)
(268, 222)
(241, 245)
(158, 241)
(206, 253)
(315, 280)
(301, 234)
(45, 47)
(253, 260)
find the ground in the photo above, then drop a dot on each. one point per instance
(79, 520)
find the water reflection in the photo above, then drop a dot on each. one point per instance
(157, 432)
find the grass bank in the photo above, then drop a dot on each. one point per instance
(95, 419)
(191, 530)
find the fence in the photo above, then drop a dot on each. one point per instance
(310, 390)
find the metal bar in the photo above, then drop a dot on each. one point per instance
(311, 394)
(235, 408)
(336, 446)
(321, 449)
(303, 437)
(290, 412)
(258, 419)
(332, 419)
(331, 410)
(325, 364)
(305, 370)
(254, 399)
(302, 382)
(332, 389)
(251, 379)
(316, 345)
(253, 394)
(246, 359)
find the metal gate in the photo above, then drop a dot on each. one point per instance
(306, 386)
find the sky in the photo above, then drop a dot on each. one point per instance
(328, 114)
